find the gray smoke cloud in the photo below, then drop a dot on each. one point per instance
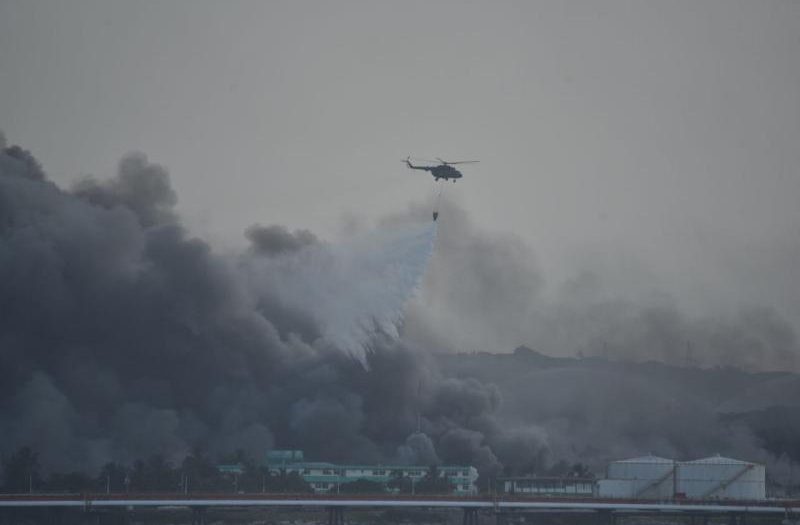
(277, 239)
(485, 292)
(594, 410)
(140, 186)
(418, 450)
(605, 396)
(124, 336)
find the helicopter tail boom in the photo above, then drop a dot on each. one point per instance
(407, 160)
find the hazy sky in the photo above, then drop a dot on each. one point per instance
(660, 136)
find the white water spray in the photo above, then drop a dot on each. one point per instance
(354, 290)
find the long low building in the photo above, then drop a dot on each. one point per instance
(548, 486)
(653, 477)
(329, 477)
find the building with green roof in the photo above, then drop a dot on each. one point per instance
(330, 477)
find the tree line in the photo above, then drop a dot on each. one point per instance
(23, 473)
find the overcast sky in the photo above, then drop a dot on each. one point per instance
(661, 136)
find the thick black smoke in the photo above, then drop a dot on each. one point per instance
(121, 336)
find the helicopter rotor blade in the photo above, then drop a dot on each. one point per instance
(461, 162)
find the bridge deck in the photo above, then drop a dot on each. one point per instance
(378, 501)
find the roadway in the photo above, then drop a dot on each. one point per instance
(98, 501)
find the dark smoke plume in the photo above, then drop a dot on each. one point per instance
(277, 239)
(122, 335)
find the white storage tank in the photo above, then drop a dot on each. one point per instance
(718, 477)
(646, 477)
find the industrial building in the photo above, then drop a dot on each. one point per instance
(535, 486)
(329, 477)
(653, 477)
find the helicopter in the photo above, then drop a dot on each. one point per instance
(445, 170)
